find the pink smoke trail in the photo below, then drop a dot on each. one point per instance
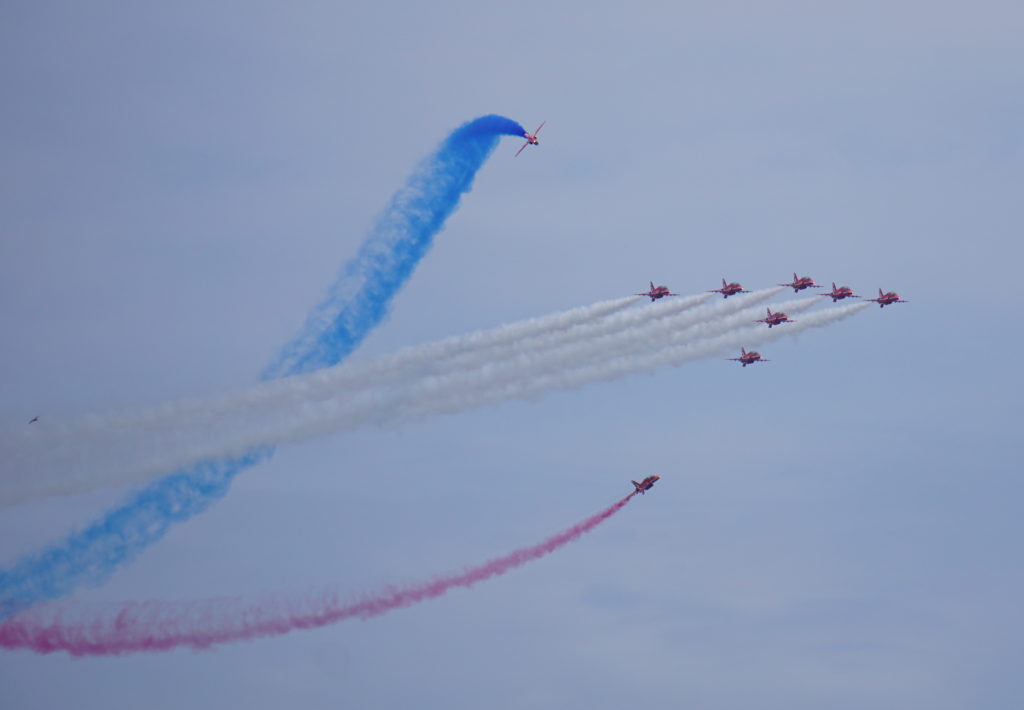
(130, 627)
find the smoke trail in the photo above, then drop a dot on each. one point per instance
(359, 298)
(357, 302)
(647, 361)
(161, 626)
(447, 354)
(530, 379)
(128, 447)
(526, 375)
(344, 398)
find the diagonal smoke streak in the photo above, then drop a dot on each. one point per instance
(425, 393)
(346, 403)
(160, 626)
(525, 375)
(359, 299)
(580, 366)
(456, 353)
(210, 408)
(611, 368)
(119, 452)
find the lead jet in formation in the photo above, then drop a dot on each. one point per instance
(729, 289)
(748, 358)
(531, 139)
(839, 293)
(886, 299)
(799, 283)
(644, 485)
(657, 292)
(775, 318)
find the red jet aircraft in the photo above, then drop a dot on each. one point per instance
(775, 318)
(840, 293)
(728, 289)
(748, 358)
(531, 138)
(801, 282)
(885, 299)
(644, 485)
(657, 292)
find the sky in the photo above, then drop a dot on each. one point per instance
(838, 527)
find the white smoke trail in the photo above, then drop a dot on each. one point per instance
(449, 401)
(339, 398)
(299, 388)
(523, 375)
(520, 374)
(84, 448)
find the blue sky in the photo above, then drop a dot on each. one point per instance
(837, 527)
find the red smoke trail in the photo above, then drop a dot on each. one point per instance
(160, 626)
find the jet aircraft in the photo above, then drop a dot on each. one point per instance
(775, 318)
(840, 293)
(657, 292)
(885, 299)
(644, 485)
(531, 139)
(748, 358)
(801, 282)
(729, 289)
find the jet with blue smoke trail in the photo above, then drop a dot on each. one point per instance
(360, 297)
(356, 303)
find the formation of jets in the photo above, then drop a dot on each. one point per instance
(771, 319)
(799, 283)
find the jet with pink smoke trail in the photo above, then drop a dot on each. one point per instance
(132, 627)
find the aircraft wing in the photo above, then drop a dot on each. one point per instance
(521, 149)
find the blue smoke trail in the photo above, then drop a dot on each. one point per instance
(356, 303)
(359, 298)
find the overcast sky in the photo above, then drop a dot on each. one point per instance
(837, 528)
